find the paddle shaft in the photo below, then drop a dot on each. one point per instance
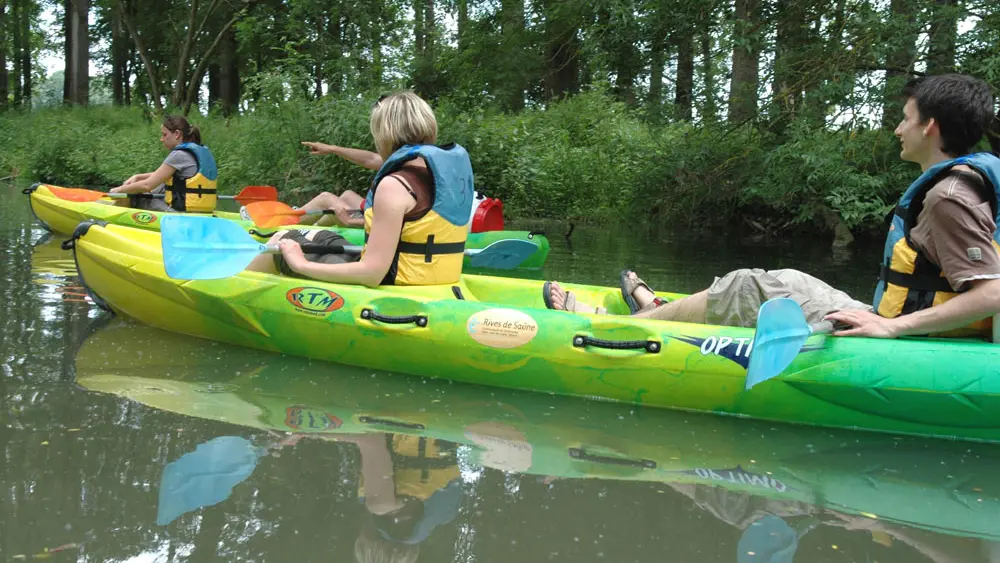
(311, 248)
(147, 195)
(352, 213)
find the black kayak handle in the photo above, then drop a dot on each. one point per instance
(371, 315)
(387, 422)
(577, 453)
(582, 341)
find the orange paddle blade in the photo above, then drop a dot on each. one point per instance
(257, 193)
(76, 194)
(270, 214)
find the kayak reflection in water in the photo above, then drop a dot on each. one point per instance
(771, 529)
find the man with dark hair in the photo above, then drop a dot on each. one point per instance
(941, 268)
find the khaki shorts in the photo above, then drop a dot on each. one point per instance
(734, 299)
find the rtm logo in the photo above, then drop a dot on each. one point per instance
(314, 300)
(143, 217)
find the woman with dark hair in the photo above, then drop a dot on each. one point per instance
(187, 177)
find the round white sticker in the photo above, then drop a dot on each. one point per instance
(502, 328)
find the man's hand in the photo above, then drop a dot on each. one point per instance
(863, 323)
(318, 148)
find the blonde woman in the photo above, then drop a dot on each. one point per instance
(415, 213)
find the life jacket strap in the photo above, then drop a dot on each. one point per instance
(430, 249)
(920, 282)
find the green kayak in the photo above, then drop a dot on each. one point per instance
(496, 331)
(62, 216)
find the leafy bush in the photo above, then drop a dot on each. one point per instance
(585, 158)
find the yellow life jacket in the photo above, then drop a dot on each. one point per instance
(421, 466)
(198, 193)
(431, 248)
(908, 280)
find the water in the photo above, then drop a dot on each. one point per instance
(124, 443)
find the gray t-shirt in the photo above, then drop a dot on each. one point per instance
(182, 161)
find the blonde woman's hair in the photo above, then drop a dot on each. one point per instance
(402, 118)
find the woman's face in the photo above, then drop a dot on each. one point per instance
(170, 139)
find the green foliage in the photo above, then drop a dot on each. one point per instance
(588, 158)
(855, 173)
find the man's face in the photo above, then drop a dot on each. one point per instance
(915, 145)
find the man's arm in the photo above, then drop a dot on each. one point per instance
(982, 301)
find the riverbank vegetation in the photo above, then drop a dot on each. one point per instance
(693, 113)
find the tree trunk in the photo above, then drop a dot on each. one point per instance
(942, 36)
(318, 71)
(334, 73)
(901, 37)
(746, 55)
(190, 97)
(418, 28)
(4, 88)
(790, 75)
(463, 24)
(657, 58)
(154, 80)
(119, 54)
(562, 52)
(68, 52)
(512, 28)
(76, 85)
(229, 78)
(709, 109)
(685, 77)
(214, 91)
(15, 51)
(25, 25)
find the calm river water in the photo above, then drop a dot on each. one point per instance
(124, 443)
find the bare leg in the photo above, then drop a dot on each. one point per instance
(323, 201)
(265, 262)
(351, 199)
(562, 301)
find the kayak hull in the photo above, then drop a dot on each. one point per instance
(501, 335)
(62, 216)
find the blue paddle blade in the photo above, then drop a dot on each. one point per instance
(205, 248)
(205, 476)
(502, 254)
(781, 331)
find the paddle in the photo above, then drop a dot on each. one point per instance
(271, 214)
(205, 248)
(781, 331)
(207, 475)
(247, 196)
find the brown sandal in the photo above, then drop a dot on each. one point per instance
(629, 285)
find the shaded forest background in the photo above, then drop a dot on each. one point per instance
(774, 115)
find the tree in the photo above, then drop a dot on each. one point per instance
(4, 92)
(76, 81)
(746, 58)
(203, 33)
(900, 36)
(562, 46)
(942, 36)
